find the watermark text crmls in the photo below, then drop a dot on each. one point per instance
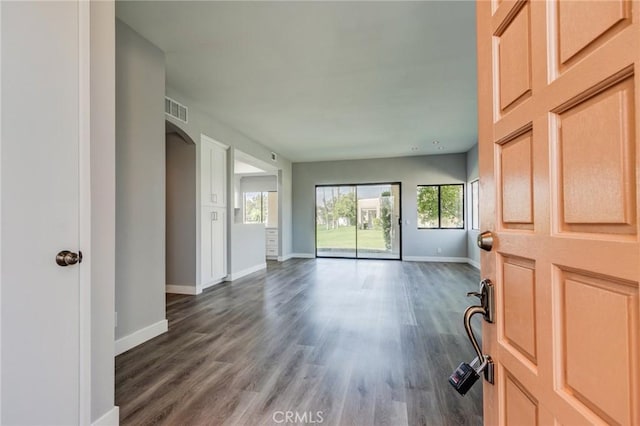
(292, 417)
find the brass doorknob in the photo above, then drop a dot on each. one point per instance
(66, 258)
(485, 240)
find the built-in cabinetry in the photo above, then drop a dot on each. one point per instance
(213, 212)
(213, 172)
(271, 242)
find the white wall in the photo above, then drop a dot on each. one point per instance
(140, 183)
(473, 252)
(248, 250)
(181, 211)
(410, 171)
(103, 190)
(258, 183)
(202, 123)
(285, 213)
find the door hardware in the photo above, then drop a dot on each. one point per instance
(214, 216)
(487, 300)
(67, 258)
(465, 375)
(485, 240)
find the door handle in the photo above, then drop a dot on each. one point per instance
(67, 258)
(465, 375)
(485, 240)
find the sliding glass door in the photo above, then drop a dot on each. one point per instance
(358, 221)
(336, 221)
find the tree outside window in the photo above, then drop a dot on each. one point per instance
(256, 207)
(441, 206)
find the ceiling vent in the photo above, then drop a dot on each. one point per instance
(175, 109)
(274, 156)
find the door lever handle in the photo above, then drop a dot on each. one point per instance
(468, 314)
(486, 364)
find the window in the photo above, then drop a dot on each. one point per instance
(475, 205)
(256, 207)
(441, 206)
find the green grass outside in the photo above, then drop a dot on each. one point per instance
(345, 238)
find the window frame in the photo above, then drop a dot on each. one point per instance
(475, 204)
(264, 196)
(439, 186)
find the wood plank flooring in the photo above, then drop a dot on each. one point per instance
(333, 341)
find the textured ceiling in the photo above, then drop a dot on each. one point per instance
(324, 80)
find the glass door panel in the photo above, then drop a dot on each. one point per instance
(336, 221)
(378, 216)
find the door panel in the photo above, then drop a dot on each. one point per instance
(582, 24)
(213, 245)
(515, 169)
(213, 180)
(336, 221)
(558, 180)
(378, 214)
(218, 236)
(40, 212)
(520, 407)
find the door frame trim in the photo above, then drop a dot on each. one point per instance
(84, 187)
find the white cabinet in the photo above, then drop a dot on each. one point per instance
(213, 172)
(271, 243)
(213, 245)
(213, 212)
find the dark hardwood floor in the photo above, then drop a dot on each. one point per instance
(337, 342)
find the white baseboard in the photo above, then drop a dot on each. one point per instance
(285, 257)
(237, 275)
(473, 263)
(182, 289)
(302, 256)
(435, 259)
(110, 418)
(212, 283)
(138, 337)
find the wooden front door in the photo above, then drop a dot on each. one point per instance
(558, 96)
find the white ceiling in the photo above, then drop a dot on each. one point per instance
(324, 80)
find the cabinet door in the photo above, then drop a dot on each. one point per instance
(219, 181)
(213, 174)
(207, 246)
(218, 235)
(214, 245)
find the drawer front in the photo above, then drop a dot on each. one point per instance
(272, 233)
(272, 242)
(272, 252)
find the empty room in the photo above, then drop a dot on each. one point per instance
(319, 212)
